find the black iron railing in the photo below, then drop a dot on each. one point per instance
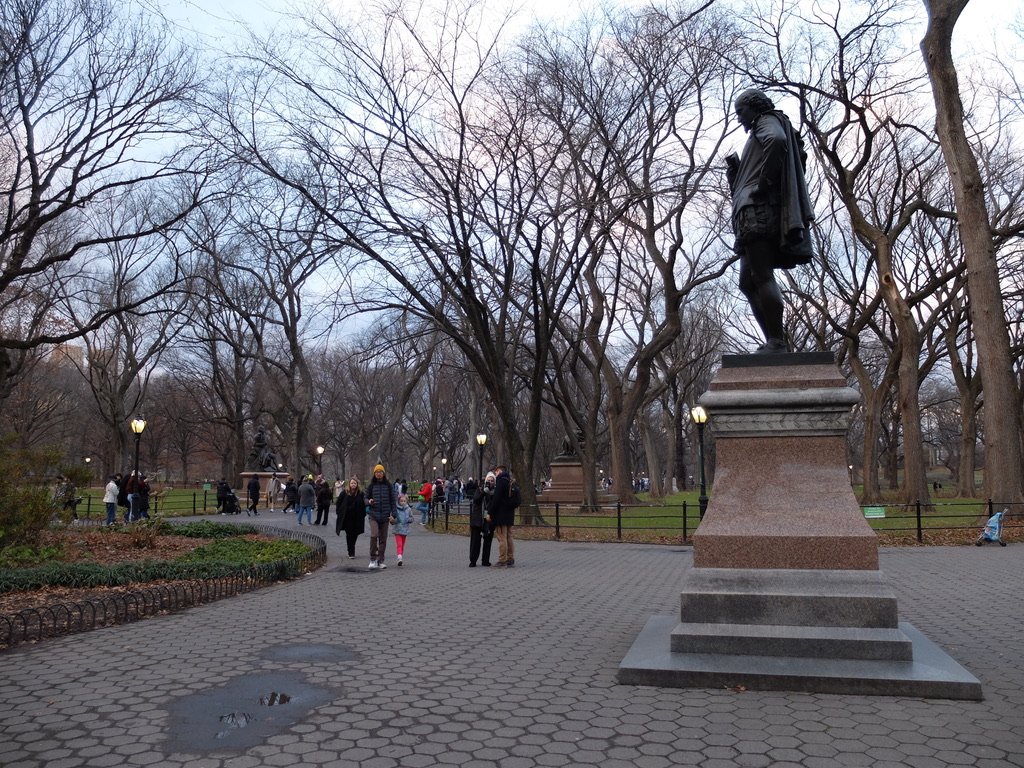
(119, 608)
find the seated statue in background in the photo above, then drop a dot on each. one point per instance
(261, 457)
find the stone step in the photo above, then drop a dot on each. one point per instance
(788, 597)
(801, 642)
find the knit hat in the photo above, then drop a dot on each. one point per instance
(490, 477)
(378, 468)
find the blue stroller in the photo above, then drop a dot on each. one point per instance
(993, 530)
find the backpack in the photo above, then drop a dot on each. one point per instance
(515, 495)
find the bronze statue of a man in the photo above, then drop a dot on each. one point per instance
(771, 210)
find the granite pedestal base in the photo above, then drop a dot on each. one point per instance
(931, 674)
(264, 478)
(785, 592)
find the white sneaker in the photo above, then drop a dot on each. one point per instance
(399, 561)
(373, 565)
(381, 564)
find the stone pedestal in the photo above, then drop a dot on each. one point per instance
(264, 478)
(567, 484)
(785, 592)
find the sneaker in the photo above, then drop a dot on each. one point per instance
(472, 565)
(382, 565)
(399, 559)
(373, 565)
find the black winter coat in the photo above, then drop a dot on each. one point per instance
(351, 513)
(502, 510)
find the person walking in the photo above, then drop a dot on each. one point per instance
(307, 498)
(480, 533)
(140, 502)
(130, 486)
(273, 488)
(351, 513)
(223, 491)
(252, 489)
(502, 515)
(291, 495)
(426, 491)
(122, 493)
(402, 521)
(381, 504)
(324, 497)
(110, 499)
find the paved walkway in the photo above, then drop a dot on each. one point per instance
(435, 663)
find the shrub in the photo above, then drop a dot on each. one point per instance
(245, 551)
(221, 558)
(26, 495)
(23, 555)
(206, 529)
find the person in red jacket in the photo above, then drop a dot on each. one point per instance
(426, 492)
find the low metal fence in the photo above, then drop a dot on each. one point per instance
(634, 521)
(176, 505)
(119, 608)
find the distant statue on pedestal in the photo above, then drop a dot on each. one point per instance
(569, 447)
(261, 457)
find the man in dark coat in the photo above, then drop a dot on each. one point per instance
(252, 489)
(502, 516)
(771, 210)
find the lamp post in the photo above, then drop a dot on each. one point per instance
(481, 441)
(320, 459)
(444, 468)
(138, 427)
(700, 418)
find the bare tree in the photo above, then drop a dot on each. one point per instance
(640, 100)
(1003, 454)
(93, 119)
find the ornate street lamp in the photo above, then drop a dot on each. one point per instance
(444, 468)
(138, 425)
(700, 418)
(320, 459)
(481, 441)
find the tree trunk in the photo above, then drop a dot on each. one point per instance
(908, 350)
(622, 467)
(1002, 410)
(653, 464)
(965, 486)
(873, 397)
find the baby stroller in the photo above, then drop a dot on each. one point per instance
(993, 530)
(232, 506)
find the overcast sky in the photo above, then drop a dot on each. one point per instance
(219, 20)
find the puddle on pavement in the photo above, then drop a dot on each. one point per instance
(242, 713)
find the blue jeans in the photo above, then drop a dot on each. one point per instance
(111, 512)
(424, 508)
(308, 509)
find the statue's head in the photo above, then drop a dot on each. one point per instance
(750, 105)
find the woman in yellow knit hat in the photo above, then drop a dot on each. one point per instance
(381, 505)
